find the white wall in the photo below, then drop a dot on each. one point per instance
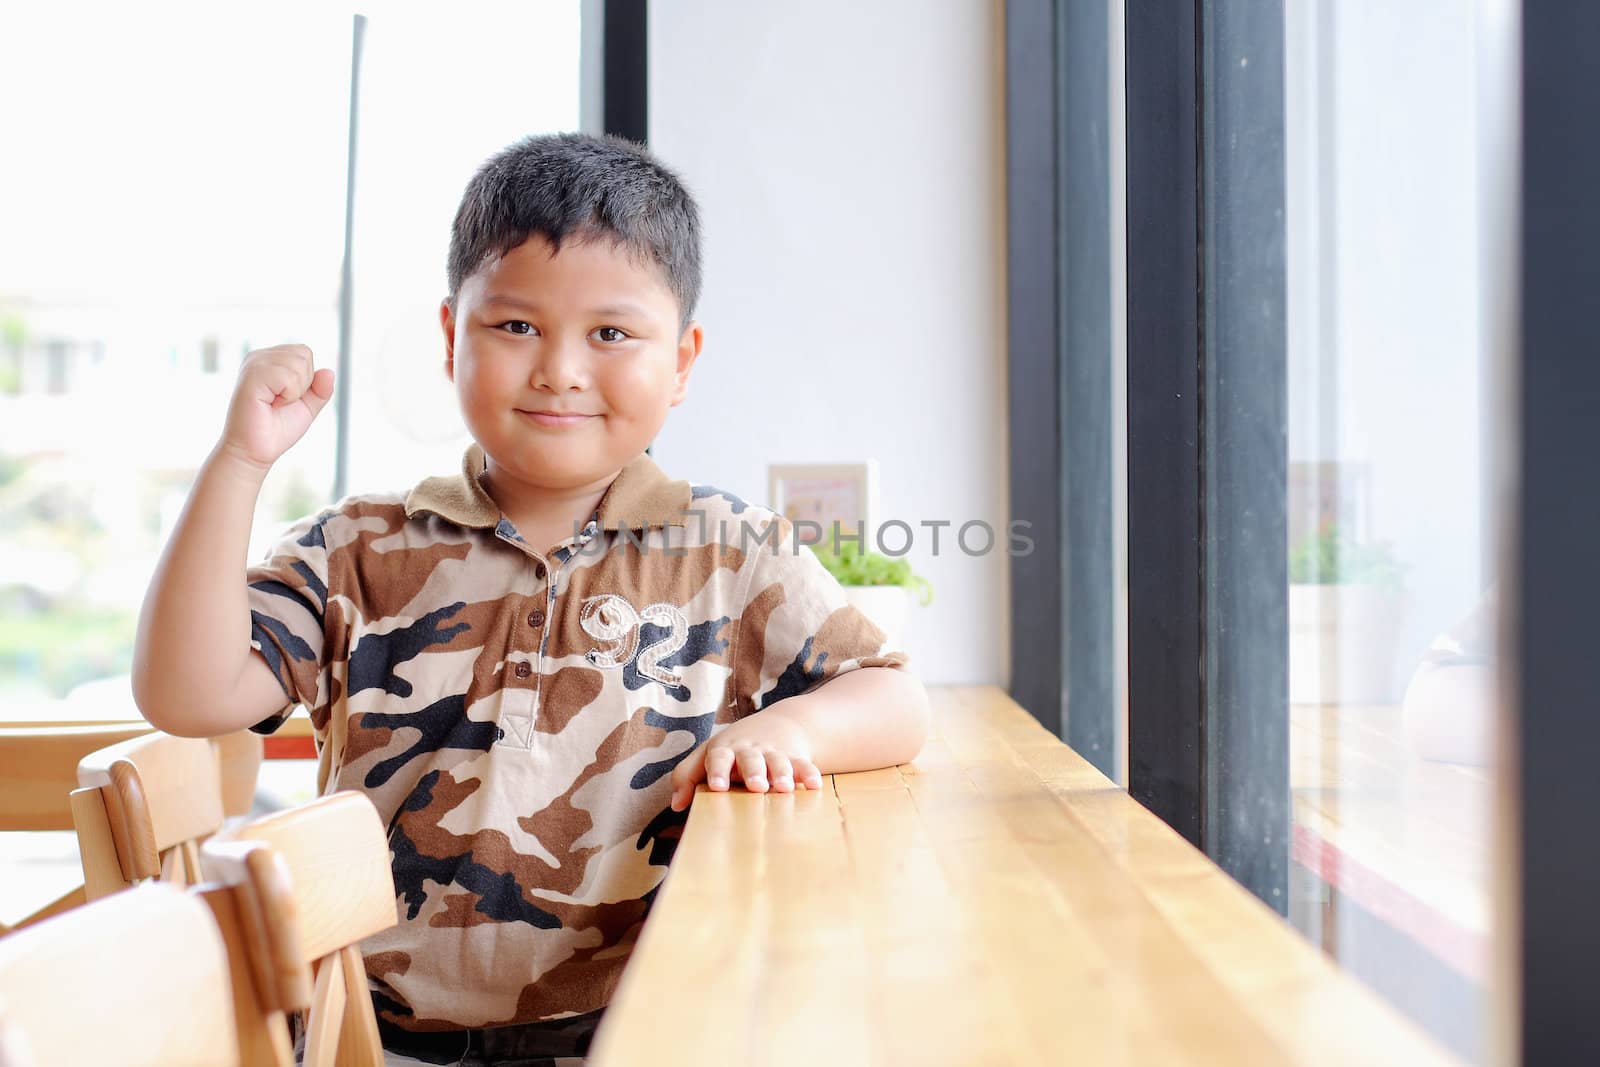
(849, 163)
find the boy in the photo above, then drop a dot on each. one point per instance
(530, 665)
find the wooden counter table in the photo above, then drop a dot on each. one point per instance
(996, 901)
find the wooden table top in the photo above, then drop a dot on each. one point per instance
(998, 900)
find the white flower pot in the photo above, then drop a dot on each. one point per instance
(885, 605)
(1342, 642)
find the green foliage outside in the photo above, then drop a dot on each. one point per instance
(50, 641)
(851, 566)
(64, 647)
(13, 331)
(1328, 557)
(299, 500)
(11, 469)
(13, 339)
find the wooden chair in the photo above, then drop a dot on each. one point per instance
(38, 769)
(308, 885)
(143, 805)
(138, 978)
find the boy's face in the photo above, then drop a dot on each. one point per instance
(590, 331)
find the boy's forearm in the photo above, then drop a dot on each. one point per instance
(863, 719)
(194, 626)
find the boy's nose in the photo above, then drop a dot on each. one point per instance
(560, 366)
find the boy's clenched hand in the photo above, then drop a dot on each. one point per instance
(279, 392)
(767, 747)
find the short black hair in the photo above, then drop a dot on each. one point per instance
(580, 186)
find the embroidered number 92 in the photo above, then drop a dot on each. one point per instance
(612, 618)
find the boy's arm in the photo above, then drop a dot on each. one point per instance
(867, 711)
(194, 673)
(861, 720)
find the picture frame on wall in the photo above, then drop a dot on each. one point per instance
(825, 493)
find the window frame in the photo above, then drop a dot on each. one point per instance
(1552, 575)
(1208, 729)
(1058, 222)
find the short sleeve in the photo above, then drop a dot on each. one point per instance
(288, 598)
(795, 628)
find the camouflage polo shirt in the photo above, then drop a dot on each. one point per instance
(515, 714)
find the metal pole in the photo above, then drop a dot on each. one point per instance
(341, 448)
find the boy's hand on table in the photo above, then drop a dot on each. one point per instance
(767, 750)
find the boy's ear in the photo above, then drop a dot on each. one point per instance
(447, 319)
(689, 345)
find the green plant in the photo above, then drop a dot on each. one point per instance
(62, 646)
(299, 499)
(13, 331)
(851, 566)
(1328, 557)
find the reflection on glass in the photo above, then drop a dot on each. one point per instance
(1391, 528)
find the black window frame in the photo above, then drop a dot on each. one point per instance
(625, 105)
(1552, 578)
(1058, 196)
(1208, 729)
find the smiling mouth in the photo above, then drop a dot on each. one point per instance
(547, 418)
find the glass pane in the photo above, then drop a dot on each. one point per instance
(421, 139)
(1398, 211)
(180, 201)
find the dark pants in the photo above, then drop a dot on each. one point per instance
(541, 1044)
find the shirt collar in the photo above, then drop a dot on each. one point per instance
(640, 497)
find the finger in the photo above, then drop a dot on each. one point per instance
(297, 360)
(306, 367)
(291, 354)
(779, 772)
(689, 770)
(316, 397)
(806, 773)
(719, 762)
(280, 384)
(753, 769)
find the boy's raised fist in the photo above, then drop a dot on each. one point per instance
(279, 392)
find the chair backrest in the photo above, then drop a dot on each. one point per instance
(313, 882)
(39, 767)
(38, 771)
(140, 977)
(142, 808)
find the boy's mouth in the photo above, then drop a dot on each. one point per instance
(555, 418)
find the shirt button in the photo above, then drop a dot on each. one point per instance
(536, 619)
(523, 670)
(538, 570)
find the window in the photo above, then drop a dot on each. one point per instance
(1318, 206)
(1398, 212)
(187, 205)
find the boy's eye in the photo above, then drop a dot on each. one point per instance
(522, 329)
(610, 334)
